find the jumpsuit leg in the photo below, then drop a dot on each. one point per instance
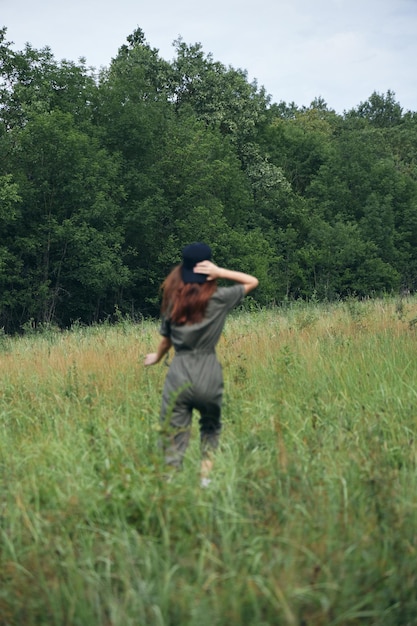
(208, 400)
(210, 428)
(176, 417)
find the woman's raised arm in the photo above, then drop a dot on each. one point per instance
(213, 271)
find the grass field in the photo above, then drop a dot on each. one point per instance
(311, 518)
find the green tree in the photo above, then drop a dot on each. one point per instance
(200, 193)
(132, 111)
(341, 262)
(33, 82)
(67, 236)
(299, 145)
(220, 96)
(380, 110)
(9, 266)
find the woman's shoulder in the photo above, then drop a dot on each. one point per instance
(223, 292)
(229, 295)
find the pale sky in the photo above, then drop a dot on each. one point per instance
(299, 50)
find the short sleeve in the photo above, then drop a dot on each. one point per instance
(165, 328)
(231, 296)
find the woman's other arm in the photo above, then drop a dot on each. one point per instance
(162, 349)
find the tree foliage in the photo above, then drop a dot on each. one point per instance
(105, 177)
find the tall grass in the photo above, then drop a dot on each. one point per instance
(310, 519)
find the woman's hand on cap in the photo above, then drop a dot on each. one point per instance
(208, 268)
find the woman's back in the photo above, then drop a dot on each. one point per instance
(204, 335)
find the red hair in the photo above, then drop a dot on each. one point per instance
(185, 303)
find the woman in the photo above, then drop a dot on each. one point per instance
(194, 311)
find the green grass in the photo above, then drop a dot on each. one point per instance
(312, 514)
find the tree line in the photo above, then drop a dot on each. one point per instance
(105, 176)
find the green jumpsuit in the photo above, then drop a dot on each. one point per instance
(195, 378)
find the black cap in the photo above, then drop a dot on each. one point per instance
(191, 255)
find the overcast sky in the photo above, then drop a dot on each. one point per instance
(340, 50)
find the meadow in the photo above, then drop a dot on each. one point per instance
(311, 517)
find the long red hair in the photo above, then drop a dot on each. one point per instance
(185, 303)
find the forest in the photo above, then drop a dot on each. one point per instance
(105, 176)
